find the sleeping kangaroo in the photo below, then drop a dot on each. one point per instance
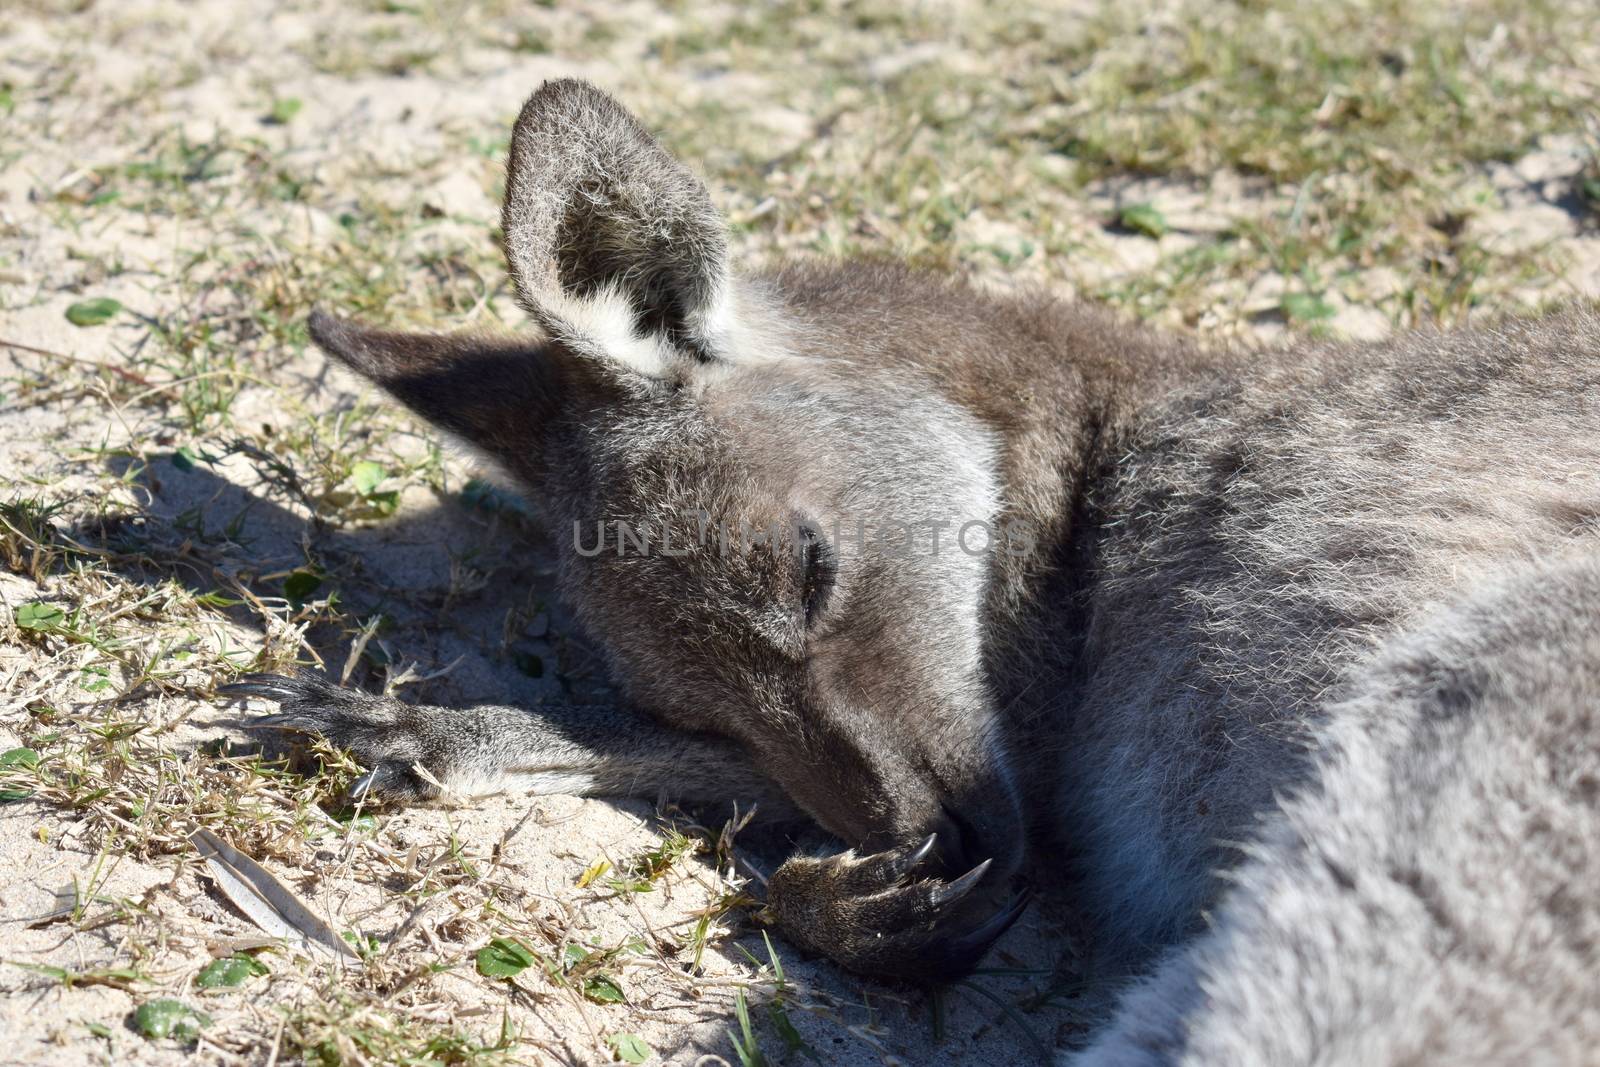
(1287, 664)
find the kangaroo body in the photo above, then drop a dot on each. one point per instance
(1293, 681)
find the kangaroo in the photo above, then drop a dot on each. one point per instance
(1286, 665)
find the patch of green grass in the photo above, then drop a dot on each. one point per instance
(1391, 89)
(29, 540)
(1143, 218)
(341, 1029)
(165, 1017)
(638, 874)
(284, 109)
(1355, 128)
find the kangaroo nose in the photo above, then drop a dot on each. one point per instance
(952, 850)
(965, 841)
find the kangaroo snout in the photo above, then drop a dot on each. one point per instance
(987, 835)
(956, 808)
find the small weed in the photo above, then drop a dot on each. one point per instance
(745, 1045)
(283, 110)
(505, 957)
(95, 312)
(339, 1029)
(589, 970)
(229, 972)
(630, 1048)
(163, 1018)
(1143, 218)
(124, 978)
(640, 872)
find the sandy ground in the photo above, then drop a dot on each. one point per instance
(463, 591)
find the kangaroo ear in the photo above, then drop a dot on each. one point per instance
(615, 246)
(505, 396)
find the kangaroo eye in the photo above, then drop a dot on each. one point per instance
(820, 570)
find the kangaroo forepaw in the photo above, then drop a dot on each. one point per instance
(876, 915)
(386, 736)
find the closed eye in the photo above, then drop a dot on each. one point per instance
(821, 569)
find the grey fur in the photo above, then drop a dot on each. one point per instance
(1430, 899)
(1299, 684)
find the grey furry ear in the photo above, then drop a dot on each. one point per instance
(614, 245)
(506, 396)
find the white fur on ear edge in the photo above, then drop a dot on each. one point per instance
(603, 326)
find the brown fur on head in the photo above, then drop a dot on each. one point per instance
(671, 394)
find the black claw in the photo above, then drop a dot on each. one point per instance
(954, 891)
(386, 783)
(904, 865)
(978, 940)
(363, 787)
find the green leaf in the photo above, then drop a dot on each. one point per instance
(1306, 307)
(630, 1048)
(185, 458)
(94, 312)
(361, 824)
(778, 1015)
(367, 476)
(283, 110)
(1143, 218)
(228, 973)
(40, 617)
(365, 944)
(300, 585)
(630, 885)
(504, 957)
(19, 757)
(746, 1047)
(385, 503)
(604, 989)
(169, 1018)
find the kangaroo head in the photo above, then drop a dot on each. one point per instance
(775, 534)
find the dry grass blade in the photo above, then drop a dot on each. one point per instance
(264, 900)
